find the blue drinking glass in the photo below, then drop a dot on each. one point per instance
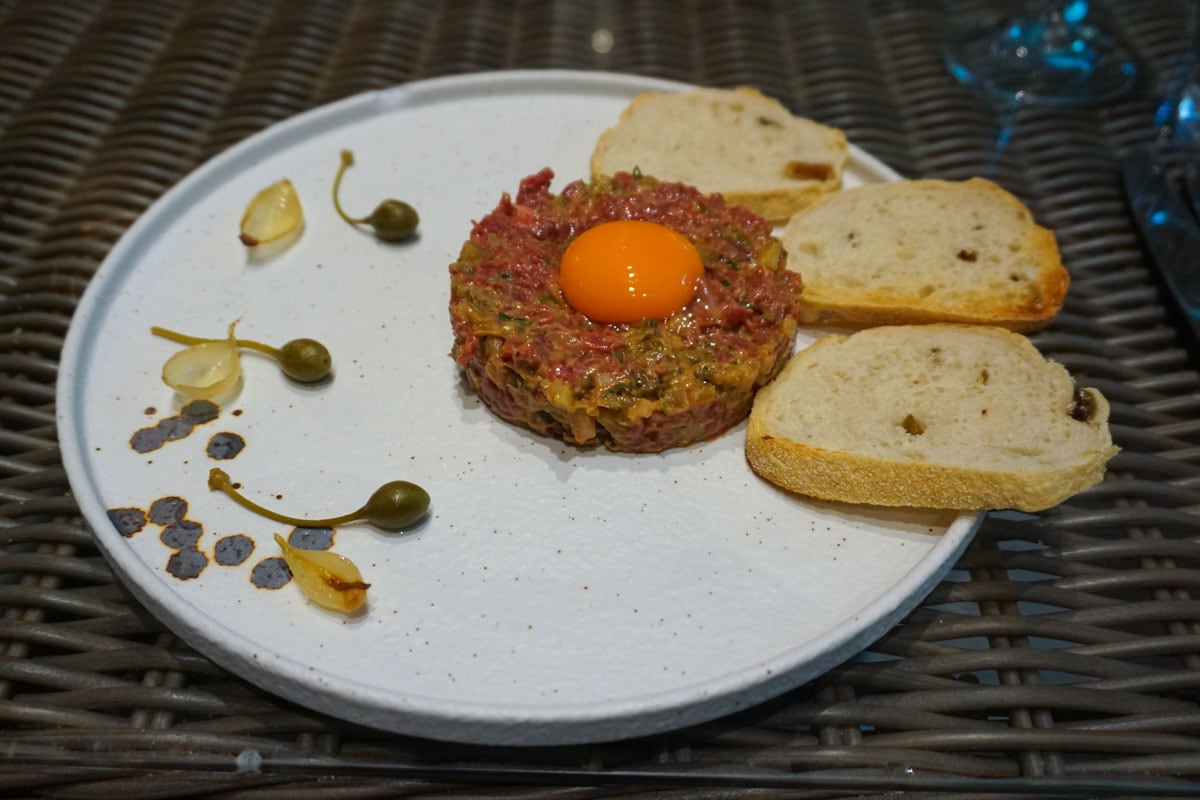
(1057, 53)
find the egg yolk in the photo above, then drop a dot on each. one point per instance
(629, 270)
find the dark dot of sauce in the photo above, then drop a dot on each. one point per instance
(174, 428)
(311, 538)
(170, 429)
(150, 411)
(187, 564)
(199, 412)
(270, 573)
(230, 551)
(127, 521)
(224, 446)
(168, 510)
(237, 412)
(182, 535)
(147, 439)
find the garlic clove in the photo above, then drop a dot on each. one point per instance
(274, 213)
(330, 580)
(204, 371)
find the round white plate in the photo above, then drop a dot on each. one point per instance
(553, 594)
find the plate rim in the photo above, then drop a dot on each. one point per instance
(425, 715)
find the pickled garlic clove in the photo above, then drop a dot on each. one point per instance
(206, 370)
(273, 214)
(325, 578)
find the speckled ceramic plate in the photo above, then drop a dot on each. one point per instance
(552, 595)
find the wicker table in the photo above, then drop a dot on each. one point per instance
(1061, 657)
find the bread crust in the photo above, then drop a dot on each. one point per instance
(868, 304)
(851, 478)
(776, 198)
(862, 477)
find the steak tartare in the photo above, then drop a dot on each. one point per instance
(635, 387)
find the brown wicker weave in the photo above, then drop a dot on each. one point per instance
(1060, 658)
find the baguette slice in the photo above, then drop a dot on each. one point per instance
(926, 251)
(934, 416)
(737, 142)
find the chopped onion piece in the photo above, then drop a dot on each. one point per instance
(274, 213)
(326, 578)
(205, 371)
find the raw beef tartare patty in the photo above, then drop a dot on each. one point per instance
(635, 387)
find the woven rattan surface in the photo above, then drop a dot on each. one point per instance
(1060, 657)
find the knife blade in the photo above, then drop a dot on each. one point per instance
(1170, 232)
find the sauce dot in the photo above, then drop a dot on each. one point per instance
(187, 564)
(127, 521)
(224, 446)
(230, 551)
(270, 573)
(311, 538)
(181, 535)
(168, 510)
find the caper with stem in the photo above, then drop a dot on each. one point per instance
(393, 506)
(304, 360)
(393, 220)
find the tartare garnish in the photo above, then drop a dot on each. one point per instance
(207, 369)
(393, 220)
(392, 507)
(304, 360)
(330, 580)
(273, 214)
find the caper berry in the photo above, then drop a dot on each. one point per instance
(396, 504)
(305, 360)
(392, 220)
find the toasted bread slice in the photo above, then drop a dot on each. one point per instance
(735, 142)
(934, 416)
(926, 251)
